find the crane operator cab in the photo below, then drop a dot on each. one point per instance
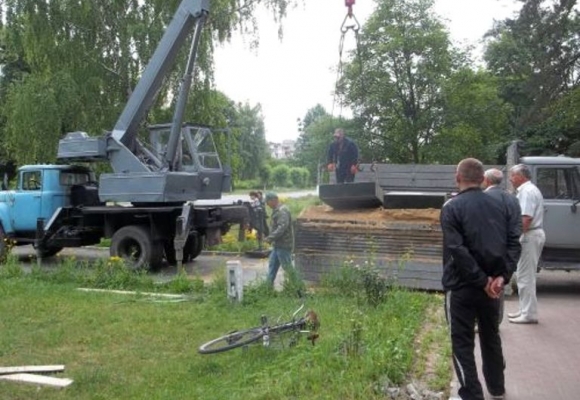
(197, 150)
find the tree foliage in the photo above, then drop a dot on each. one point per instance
(474, 119)
(252, 146)
(281, 175)
(72, 64)
(536, 57)
(406, 57)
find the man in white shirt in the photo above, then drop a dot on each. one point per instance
(532, 240)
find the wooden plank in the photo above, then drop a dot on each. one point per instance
(31, 368)
(38, 379)
(167, 295)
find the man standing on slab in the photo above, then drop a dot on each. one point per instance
(343, 157)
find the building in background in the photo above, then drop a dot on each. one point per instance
(282, 150)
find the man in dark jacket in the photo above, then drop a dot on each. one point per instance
(343, 157)
(492, 185)
(479, 250)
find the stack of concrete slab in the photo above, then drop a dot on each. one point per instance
(404, 245)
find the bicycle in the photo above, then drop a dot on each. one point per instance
(308, 324)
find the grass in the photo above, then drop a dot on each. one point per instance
(128, 347)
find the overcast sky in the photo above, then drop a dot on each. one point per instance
(290, 76)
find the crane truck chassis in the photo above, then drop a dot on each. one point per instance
(145, 206)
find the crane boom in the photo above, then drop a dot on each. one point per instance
(156, 174)
(189, 13)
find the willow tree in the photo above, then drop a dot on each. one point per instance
(72, 64)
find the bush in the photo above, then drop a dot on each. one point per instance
(248, 184)
(299, 177)
(281, 175)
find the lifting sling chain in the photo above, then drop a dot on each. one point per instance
(350, 22)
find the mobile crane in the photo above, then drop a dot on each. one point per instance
(57, 206)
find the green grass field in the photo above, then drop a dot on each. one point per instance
(133, 347)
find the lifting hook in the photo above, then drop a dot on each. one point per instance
(355, 26)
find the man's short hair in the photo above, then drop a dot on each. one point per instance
(522, 170)
(470, 170)
(494, 176)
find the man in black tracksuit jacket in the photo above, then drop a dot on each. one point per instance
(480, 253)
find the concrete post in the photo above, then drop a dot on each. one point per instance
(234, 278)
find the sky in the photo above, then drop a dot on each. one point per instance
(289, 76)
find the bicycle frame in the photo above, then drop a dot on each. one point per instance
(265, 332)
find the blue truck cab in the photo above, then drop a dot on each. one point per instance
(40, 191)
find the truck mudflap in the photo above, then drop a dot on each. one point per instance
(404, 245)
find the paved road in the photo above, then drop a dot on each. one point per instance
(542, 361)
(204, 266)
(235, 198)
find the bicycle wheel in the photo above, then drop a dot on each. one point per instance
(231, 341)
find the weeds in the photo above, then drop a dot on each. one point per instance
(112, 273)
(364, 283)
(10, 268)
(353, 346)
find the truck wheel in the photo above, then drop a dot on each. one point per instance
(196, 246)
(133, 244)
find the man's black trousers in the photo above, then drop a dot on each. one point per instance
(463, 307)
(344, 175)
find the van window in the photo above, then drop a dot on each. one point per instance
(31, 180)
(558, 183)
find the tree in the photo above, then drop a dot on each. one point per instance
(475, 120)
(535, 56)
(252, 146)
(560, 131)
(406, 56)
(265, 175)
(310, 151)
(99, 49)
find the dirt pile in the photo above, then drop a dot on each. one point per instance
(376, 215)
